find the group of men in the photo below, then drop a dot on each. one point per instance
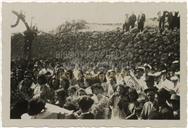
(131, 20)
(167, 20)
(43, 89)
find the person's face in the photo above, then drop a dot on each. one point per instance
(112, 74)
(119, 90)
(171, 73)
(147, 69)
(35, 73)
(68, 75)
(88, 75)
(96, 91)
(101, 77)
(80, 75)
(164, 77)
(151, 96)
(81, 93)
(112, 81)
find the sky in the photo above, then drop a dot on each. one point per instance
(48, 16)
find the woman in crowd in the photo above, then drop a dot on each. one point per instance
(119, 102)
(100, 107)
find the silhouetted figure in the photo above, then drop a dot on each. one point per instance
(170, 21)
(126, 24)
(176, 20)
(141, 20)
(132, 20)
(162, 22)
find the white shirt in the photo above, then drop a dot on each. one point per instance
(167, 84)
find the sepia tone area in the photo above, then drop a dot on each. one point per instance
(128, 70)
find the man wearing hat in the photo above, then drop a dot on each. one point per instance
(42, 90)
(109, 87)
(149, 105)
(100, 107)
(139, 79)
(26, 85)
(165, 83)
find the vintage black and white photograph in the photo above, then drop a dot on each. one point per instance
(97, 61)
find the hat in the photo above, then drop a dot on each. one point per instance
(177, 73)
(154, 89)
(163, 71)
(156, 74)
(147, 65)
(141, 68)
(175, 62)
(175, 97)
(111, 70)
(174, 78)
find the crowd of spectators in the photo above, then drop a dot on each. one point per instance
(100, 75)
(94, 92)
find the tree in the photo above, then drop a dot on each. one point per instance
(29, 34)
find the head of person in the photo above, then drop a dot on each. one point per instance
(111, 74)
(150, 93)
(28, 79)
(102, 77)
(97, 89)
(150, 80)
(69, 74)
(65, 83)
(95, 69)
(81, 92)
(85, 103)
(72, 90)
(139, 72)
(42, 79)
(48, 75)
(147, 68)
(35, 107)
(164, 75)
(88, 75)
(60, 72)
(174, 79)
(60, 95)
(141, 99)
(123, 73)
(176, 14)
(80, 75)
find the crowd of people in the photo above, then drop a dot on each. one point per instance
(100, 75)
(94, 92)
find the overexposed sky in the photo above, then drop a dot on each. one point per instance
(49, 16)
